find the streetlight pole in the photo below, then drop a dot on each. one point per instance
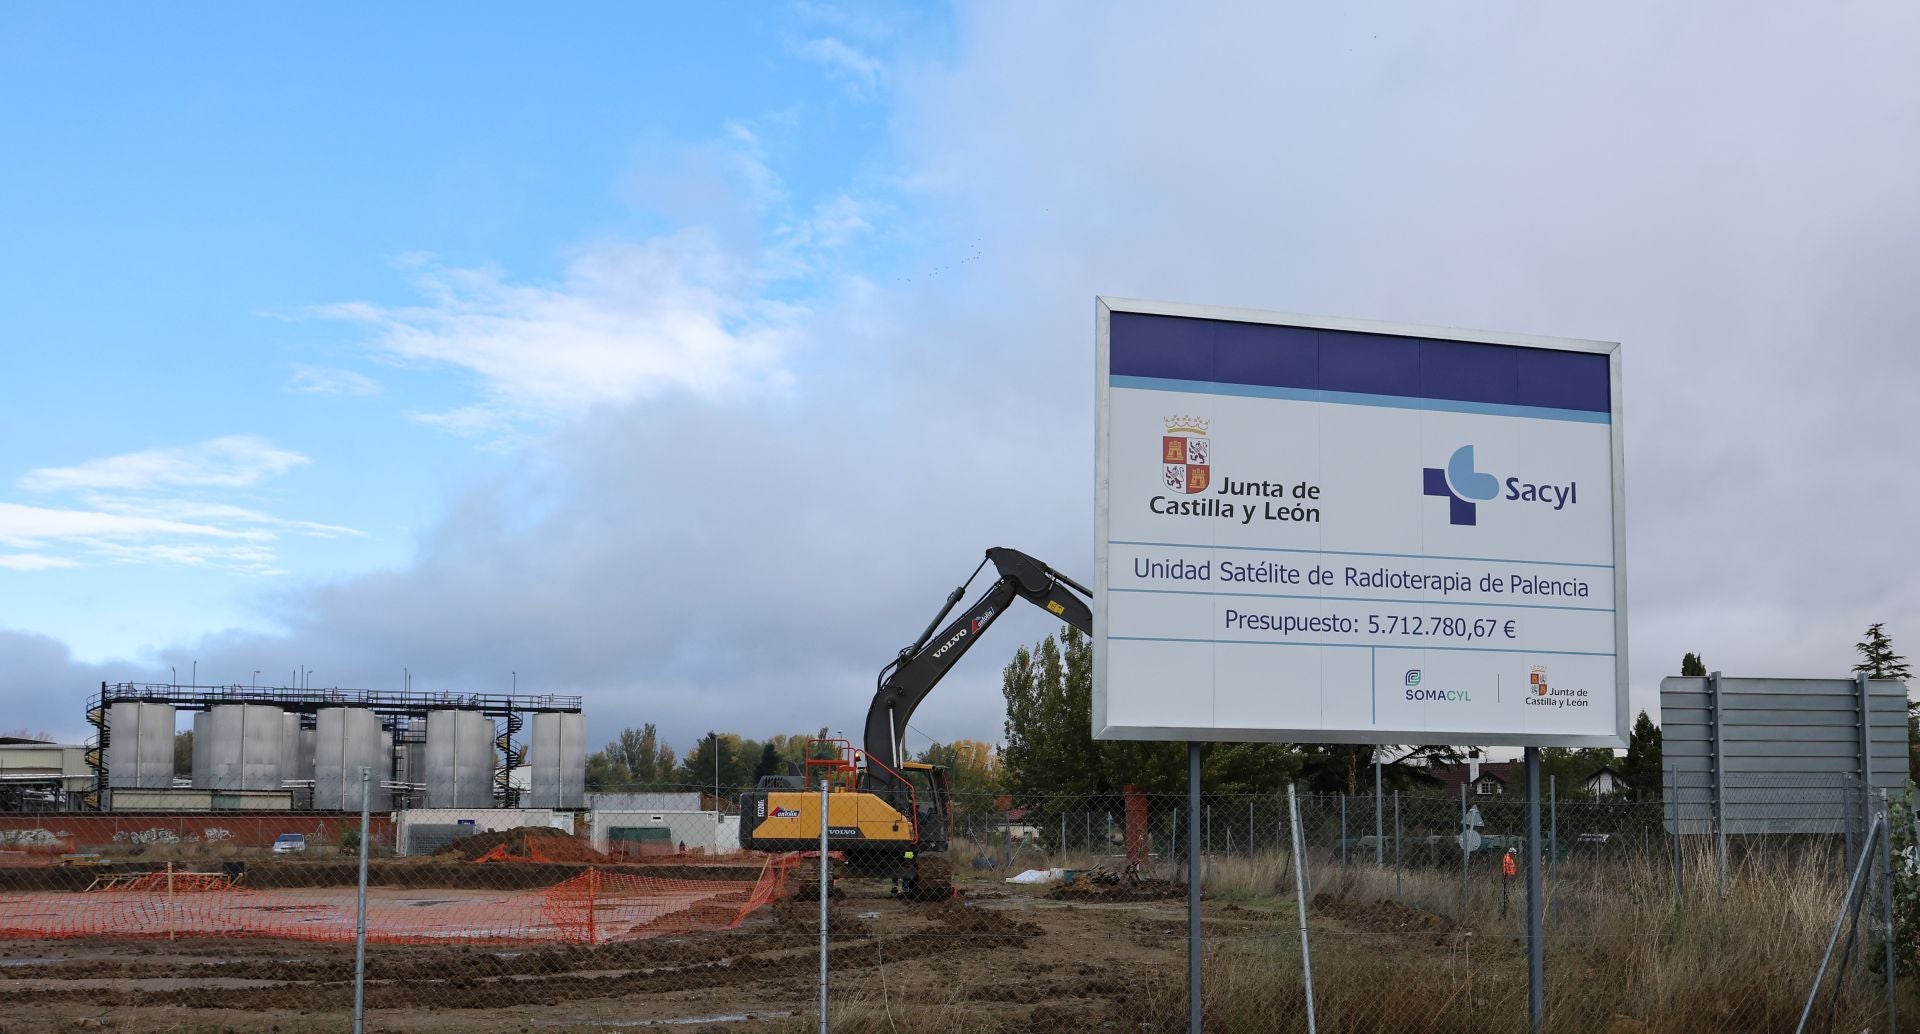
(173, 677)
(716, 781)
(256, 680)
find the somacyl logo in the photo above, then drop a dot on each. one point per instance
(1413, 676)
(1465, 488)
(1462, 485)
(1186, 454)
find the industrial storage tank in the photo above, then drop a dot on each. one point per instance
(558, 755)
(245, 747)
(345, 739)
(303, 748)
(202, 751)
(460, 760)
(139, 746)
(289, 746)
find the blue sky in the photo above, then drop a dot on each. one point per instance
(684, 356)
(184, 191)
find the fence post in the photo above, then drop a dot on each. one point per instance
(825, 877)
(1673, 834)
(360, 913)
(1463, 852)
(1846, 902)
(1553, 841)
(1343, 829)
(1719, 779)
(1866, 748)
(1379, 815)
(169, 901)
(1397, 895)
(1300, 902)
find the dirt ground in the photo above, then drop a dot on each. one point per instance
(1006, 957)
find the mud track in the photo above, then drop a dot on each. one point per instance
(778, 949)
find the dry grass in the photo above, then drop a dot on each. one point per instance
(1626, 953)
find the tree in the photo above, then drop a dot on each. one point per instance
(1691, 666)
(1642, 768)
(770, 763)
(734, 770)
(635, 760)
(973, 766)
(1877, 659)
(183, 753)
(1570, 767)
(1050, 747)
(1348, 767)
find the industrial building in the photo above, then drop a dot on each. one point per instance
(280, 748)
(36, 775)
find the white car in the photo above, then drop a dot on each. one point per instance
(290, 843)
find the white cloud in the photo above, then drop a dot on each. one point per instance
(187, 510)
(625, 322)
(34, 562)
(135, 522)
(27, 527)
(859, 72)
(325, 380)
(232, 462)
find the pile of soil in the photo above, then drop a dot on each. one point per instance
(1125, 890)
(540, 843)
(1385, 915)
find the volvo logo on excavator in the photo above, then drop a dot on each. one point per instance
(948, 645)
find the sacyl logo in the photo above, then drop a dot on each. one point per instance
(1465, 488)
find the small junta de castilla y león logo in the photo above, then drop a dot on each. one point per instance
(1186, 454)
(1538, 679)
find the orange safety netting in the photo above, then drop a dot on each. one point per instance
(594, 907)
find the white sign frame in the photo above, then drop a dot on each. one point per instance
(1106, 306)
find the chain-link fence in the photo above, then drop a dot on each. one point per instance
(1043, 912)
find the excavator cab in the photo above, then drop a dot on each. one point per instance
(933, 803)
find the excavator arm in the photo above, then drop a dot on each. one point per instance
(909, 677)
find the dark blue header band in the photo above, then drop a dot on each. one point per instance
(1264, 355)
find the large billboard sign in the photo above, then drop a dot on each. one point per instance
(1342, 531)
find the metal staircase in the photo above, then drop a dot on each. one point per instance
(512, 756)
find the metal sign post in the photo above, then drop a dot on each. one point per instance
(1536, 933)
(826, 878)
(1193, 887)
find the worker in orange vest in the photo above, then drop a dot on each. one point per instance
(1507, 871)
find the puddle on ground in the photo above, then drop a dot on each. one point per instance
(4, 963)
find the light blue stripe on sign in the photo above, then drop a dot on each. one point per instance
(1349, 646)
(1355, 398)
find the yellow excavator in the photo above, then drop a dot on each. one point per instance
(888, 817)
